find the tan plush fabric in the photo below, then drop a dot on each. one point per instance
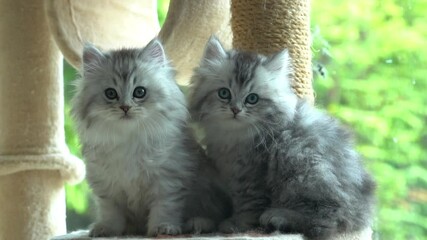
(105, 23)
(32, 205)
(31, 94)
(34, 160)
(187, 28)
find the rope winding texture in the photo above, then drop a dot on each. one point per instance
(268, 26)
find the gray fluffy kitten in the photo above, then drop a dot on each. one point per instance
(143, 164)
(287, 165)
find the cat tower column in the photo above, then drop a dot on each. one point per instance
(188, 26)
(34, 160)
(269, 26)
(108, 24)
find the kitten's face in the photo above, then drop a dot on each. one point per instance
(239, 90)
(127, 88)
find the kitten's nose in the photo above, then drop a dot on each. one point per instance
(125, 108)
(235, 110)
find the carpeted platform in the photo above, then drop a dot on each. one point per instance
(83, 235)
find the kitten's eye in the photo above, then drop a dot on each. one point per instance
(110, 93)
(139, 92)
(252, 98)
(224, 93)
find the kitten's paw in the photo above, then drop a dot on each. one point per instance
(165, 229)
(199, 225)
(272, 221)
(233, 225)
(321, 229)
(102, 230)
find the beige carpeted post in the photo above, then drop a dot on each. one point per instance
(187, 28)
(34, 160)
(271, 25)
(108, 24)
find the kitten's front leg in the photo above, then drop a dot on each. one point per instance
(241, 222)
(248, 193)
(166, 216)
(248, 203)
(111, 220)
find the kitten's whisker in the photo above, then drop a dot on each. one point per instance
(259, 136)
(270, 133)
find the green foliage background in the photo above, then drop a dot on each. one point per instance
(375, 56)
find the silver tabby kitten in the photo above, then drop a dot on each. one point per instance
(287, 165)
(143, 163)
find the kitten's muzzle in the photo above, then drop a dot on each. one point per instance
(125, 108)
(235, 110)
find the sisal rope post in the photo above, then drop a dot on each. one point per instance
(269, 26)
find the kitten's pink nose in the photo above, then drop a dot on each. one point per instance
(125, 108)
(235, 110)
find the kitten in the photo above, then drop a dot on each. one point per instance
(286, 165)
(143, 164)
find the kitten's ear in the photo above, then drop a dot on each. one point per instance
(214, 50)
(154, 51)
(279, 62)
(91, 55)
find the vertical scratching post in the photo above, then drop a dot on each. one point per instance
(34, 160)
(269, 26)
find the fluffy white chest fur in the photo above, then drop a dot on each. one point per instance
(125, 171)
(131, 118)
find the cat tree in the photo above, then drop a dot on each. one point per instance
(34, 160)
